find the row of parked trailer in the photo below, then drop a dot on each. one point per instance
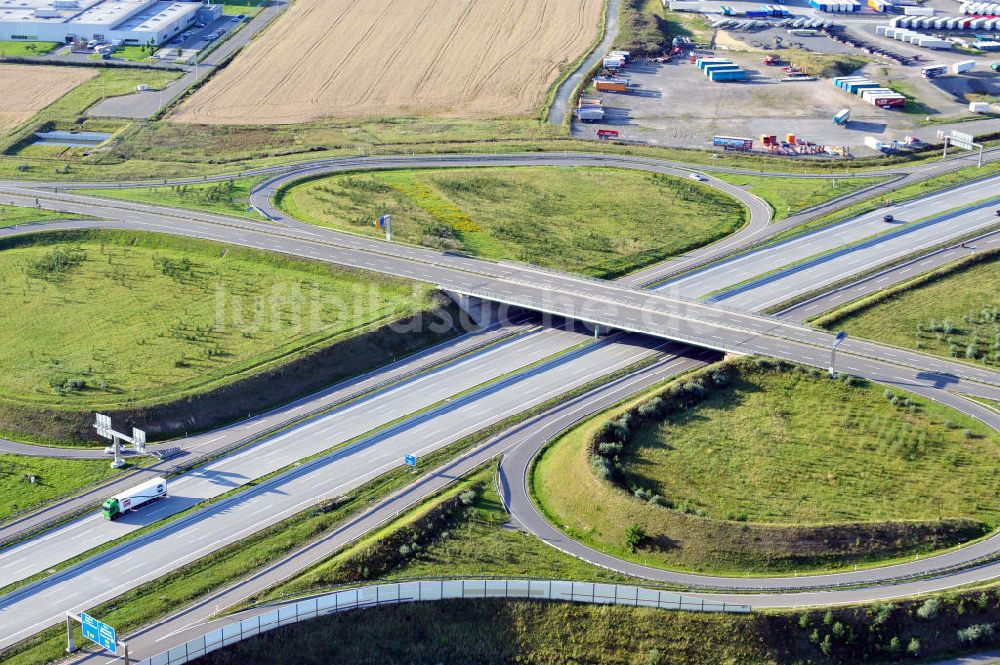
(910, 37)
(836, 7)
(768, 11)
(881, 6)
(980, 8)
(590, 109)
(947, 22)
(720, 69)
(790, 23)
(870, 91)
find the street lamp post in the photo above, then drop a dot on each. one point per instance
(837, 341)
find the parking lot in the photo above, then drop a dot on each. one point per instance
(194, 40)
(674, 104)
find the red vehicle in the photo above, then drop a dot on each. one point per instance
(770, 60)
(607, 133)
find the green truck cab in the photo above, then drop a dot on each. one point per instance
(111, 509)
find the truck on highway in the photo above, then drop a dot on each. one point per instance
(132, 499)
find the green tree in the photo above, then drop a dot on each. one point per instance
(634, 535)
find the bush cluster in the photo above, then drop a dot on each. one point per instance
(388, 553)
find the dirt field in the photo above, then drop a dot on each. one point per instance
(28, 89)
(361, 58)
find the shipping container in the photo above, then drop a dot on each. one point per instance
(874, 143)
(979, 107)
(611, 84)
(701, 62)
(918, 11)
(933, 71)
(963, 66)
(842, 117)
(733, 75)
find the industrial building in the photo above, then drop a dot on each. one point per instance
(128, 21)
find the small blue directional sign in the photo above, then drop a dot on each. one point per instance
(411, 460)
(839, 339)
(99, 632)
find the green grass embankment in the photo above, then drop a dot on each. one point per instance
(186, 333)
(953, 311)
(596, 221)
(28, 482)
(19, 49)
(777, 471)
(17, 215)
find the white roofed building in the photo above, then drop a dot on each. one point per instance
(131, 21)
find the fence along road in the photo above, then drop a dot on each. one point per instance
(261, 620)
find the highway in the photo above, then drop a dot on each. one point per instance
(338, 426)
(147, 557)
(945, 215)
(512, 283)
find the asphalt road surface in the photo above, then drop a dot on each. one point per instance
(149, 556)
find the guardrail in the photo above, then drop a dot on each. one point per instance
(429, 591)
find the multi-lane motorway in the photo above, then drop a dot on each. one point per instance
(666, 315)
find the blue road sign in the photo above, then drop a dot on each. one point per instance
(99, 632)
(839, 339)
(411, 460)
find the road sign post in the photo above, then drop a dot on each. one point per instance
(837, 341)
(96, 631)
(102, 424)
(385, 222)
(410, 461)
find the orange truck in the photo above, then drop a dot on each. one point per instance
(611, 84)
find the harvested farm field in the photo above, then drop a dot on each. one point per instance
(29, 88)
(366, 58)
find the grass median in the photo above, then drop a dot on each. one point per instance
(226, 197)
(787, 196)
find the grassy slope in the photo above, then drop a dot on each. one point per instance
(960, 297)
(478, 545)
(597, 513)
(497, 631)
(791, 448)
(17, 49)
(602, 222)
(229, 197)
(786, 196)
(53, 478)
(157, 335)
(15, 215)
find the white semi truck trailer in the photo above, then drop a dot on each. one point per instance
(131, 499)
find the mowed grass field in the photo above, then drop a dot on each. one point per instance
(52, 478)
(596, 221)
(746, 476)
(30, 88)
(111, 317)
(787, 196)
(953, 312)
(383, 58)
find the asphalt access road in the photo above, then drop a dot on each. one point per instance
(564, 94)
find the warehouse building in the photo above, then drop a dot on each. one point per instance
(128, 21)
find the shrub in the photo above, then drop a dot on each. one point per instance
(929, 609)
(975, 633)
(467, 497)
(609, 449)
(634, 535)
(882, 613)
(913, 648)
